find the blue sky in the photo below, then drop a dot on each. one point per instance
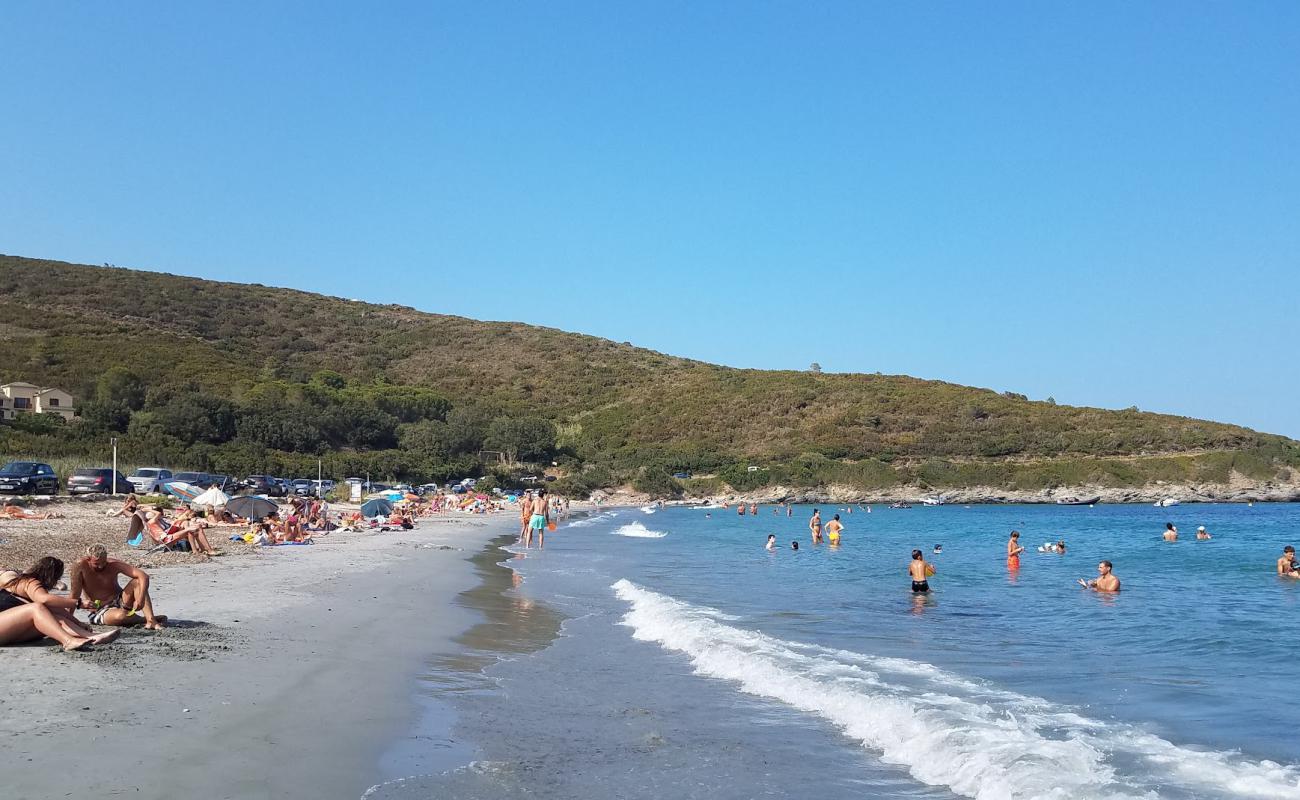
(1098, 202)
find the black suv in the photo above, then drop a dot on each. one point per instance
(97, 480)
(264, 484)
(28, 477)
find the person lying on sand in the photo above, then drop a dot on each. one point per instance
(18, 512)
(42, 613)
(95, 587)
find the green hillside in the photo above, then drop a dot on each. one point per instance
(239, 378)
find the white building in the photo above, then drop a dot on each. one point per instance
(26, 398)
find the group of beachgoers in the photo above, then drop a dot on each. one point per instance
(538, 513)
(30, 610)
(921, 570)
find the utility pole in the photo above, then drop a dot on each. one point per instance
(113, 441)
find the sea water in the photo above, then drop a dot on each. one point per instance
(692, 662)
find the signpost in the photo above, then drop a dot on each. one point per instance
(113, 441)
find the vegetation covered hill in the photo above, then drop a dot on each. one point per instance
(238, 378)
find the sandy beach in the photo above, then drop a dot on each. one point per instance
(285, 672)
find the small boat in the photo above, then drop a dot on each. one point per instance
(900, 505)
(1074, 501)
(936, 500)
(1166, 502)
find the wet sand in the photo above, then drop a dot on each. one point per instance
(287, 673)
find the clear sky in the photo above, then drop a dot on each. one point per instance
(1094, 201)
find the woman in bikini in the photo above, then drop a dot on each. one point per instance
(28, 611)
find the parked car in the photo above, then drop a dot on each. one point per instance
(194, 479)
(98, 480)
(322, 487)
(224, 482)
(149, 480)
(28, 477)
(302, 486)
(263, 484)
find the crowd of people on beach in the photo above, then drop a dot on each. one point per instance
(115, 593)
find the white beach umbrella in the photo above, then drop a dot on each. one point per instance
(211, 498)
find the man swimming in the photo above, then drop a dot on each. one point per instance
(833, 529)
(1105, 580)
(1286, 565)
(1171, 533)
(771, 542)
(920, 572)
(815, 525)
(95, 577)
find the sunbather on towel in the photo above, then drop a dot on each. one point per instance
(95, 587)
(18, 512)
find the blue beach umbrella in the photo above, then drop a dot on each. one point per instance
(378, 507)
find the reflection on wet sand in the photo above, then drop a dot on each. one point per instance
(513, 624)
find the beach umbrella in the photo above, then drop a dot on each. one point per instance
(182, 490)
(376, 508)
(250, 507)
(212, 498)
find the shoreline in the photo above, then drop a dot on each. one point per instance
(286, 674)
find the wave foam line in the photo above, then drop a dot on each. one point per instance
(979, 741)
(638, 531)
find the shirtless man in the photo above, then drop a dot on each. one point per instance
(771, 543)
(1286, 565)
(539, 520)
(1202, 534)
(815, 525)
(525, 514)
(920, 572)
(833, 529)
(1171, 533)
(95, 576)
(1105, 580)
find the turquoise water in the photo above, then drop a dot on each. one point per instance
(693, 663)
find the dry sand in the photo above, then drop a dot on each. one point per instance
(286, 674)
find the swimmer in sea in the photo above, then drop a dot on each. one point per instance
(1014, 550)
(1105, 580)
(794, 545)
(938, 549)
(833, 529)
(1202, 534)
(771, 542)
(1286, 565)
(920, 572)
(753, 509)
(1060, 546)
(815, 525)
(1171, 533)
(789, 511)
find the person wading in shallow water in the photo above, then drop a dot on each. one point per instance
(1105, 580)
(815, 525)
(920, 572)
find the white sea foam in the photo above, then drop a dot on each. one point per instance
(638, 531)
(592, 520)
(980, 741)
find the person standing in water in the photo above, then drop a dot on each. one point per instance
(740, 510)
(1202, 534)
(1171, 533)
(771, 543)
(815, 525)
(920, 572)
(833, 529)
(753, 509)
(525, 514)
(789, 511)
(1286, 565)
(1014, 550)
(1105, 580)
